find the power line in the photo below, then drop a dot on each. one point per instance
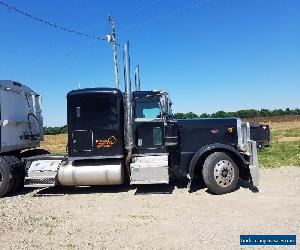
(54, 25)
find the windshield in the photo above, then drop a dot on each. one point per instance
(147, 107)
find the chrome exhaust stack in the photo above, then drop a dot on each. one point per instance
(137, 78)
(128, 118)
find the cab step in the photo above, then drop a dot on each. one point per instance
(42, 172)
(149, 170)
(39, 182)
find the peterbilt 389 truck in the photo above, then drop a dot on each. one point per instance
(116, 136)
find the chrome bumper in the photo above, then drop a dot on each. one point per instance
(254, 165)
(248, 146)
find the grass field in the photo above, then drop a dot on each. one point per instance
(56, 144)
(283, 151)
(285, 145)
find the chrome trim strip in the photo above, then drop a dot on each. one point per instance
(150, 154)
(148, 120)
(95, 157)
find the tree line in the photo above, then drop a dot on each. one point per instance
(245, 113)
(55, 130)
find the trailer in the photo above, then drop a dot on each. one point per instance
(116, 136)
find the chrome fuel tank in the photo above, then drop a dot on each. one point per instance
(90, 173)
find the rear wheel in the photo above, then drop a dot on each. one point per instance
(11, 174)
(220, 173)
(6, 180)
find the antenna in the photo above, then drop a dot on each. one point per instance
(111, 38)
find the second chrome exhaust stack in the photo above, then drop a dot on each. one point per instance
(128, 119)
(137, 78)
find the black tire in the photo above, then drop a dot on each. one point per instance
(34, 152)
(220, 173)
(6, 180)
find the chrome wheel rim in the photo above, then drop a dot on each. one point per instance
(224, 173)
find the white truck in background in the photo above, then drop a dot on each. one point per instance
(20, 116)
(21, 127)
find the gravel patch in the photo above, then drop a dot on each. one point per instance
(152, 217)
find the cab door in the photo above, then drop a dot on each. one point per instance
(149, 136)
(148, 125)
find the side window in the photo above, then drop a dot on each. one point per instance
(147, 108)
(151, 113)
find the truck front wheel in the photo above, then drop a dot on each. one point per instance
(220, 173)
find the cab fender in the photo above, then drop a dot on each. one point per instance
(202, 153)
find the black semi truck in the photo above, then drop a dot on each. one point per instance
(115, 136)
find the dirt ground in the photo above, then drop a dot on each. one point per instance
(151, 217)
(275, 119)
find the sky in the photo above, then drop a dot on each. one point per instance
(209, 55)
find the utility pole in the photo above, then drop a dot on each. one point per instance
(111, 38)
